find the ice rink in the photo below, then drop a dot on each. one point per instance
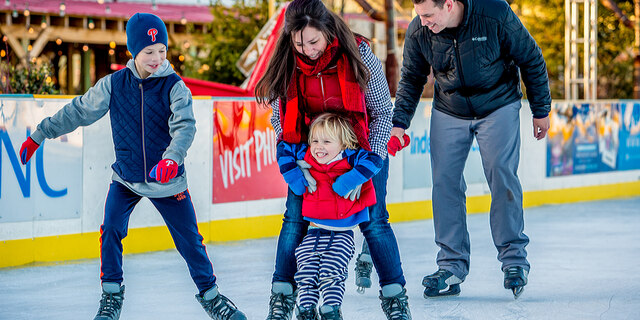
(584, 265)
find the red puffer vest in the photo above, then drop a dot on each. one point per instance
(324, 203)
(322, 92)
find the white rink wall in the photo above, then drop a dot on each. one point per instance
(30, 225)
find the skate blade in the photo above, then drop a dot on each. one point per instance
(430, 293)
(517, 291)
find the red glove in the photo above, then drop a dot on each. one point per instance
(164, 171)
(27, 150)
(394, 144)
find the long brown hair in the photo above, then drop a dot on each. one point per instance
(299, 15)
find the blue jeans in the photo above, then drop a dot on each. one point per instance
(377, 232)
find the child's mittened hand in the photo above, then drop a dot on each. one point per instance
(164, 171)
(296, 181)
(394, 145)
(27, 150)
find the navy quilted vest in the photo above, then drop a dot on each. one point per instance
(140, 111)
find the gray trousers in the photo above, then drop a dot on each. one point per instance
(498, 137)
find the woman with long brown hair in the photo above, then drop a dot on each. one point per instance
(320, 65)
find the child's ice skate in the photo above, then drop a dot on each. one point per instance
(328, 312)
(364, 266)
(111, 302)
(440, 280)
(515, 278)
(308, 313)
(219, 307)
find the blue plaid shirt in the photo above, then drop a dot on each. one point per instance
(376, 98)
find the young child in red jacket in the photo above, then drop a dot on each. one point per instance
(334, 205)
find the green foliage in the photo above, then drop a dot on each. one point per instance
(33, 79)
(615, 54)
(545, 21)
(231, 31)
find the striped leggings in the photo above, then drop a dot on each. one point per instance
(323, 260)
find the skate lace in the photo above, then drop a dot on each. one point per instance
(439, 274)
(220, 307)
(513, 273)
(281, 306)
(110, 304)
(363, 269)
(396, 308)
(333, 315)
(308, 314)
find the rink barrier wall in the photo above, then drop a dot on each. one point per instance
(55, 240)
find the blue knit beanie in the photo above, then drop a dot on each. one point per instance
(143, 30)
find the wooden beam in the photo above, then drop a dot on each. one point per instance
(42, 40)
(14, 43)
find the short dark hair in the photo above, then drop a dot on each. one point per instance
(438, 3)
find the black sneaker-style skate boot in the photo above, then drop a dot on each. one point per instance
(364, 266)
(396, 307)
(309, 313)
(111, 302)
(329, 312)
(440, 280)
(515, 278)
(219, 307)
(281, 306)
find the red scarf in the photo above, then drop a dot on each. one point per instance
(292, 113)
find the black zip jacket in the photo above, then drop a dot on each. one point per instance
(476, 66)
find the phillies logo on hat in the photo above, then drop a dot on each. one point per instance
(152, 32)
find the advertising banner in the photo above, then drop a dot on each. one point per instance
(49, 186)
(593, 137)
(244, 153)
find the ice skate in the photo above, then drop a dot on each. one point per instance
(515, 278)
(328, 312)
(281, 306)
(364, 266)
(111, 302)
(396, 307)
(308, 313)
(440, 280)
(219, 307)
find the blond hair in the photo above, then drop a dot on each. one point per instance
(335, 127)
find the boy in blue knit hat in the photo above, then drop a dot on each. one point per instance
(153, 125)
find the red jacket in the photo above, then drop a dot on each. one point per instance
(325, 203)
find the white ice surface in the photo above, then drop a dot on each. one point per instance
(584, 265)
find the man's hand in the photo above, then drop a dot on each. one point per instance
(540, 127)
(399, 133)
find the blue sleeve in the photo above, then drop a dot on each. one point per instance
(366, 164)
(287, 154)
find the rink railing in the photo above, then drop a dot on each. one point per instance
(51, 209)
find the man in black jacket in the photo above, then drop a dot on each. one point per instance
(477, 50)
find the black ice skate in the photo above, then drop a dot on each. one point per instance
(219, 307)
(364, 266)
(308, 313)
(328, 312)
(111, 302)
(396, 307)
(515, 278)
(440, 280)
(281, 306)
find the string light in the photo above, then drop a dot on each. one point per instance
(100, 1)
(43, 24)
(91, 24)
(26, 10)
(85, 48)
(183, 20)
(58, 41)
(112, 44)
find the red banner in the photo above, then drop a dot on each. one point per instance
(244, 153)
